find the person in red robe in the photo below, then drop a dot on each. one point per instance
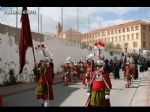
(128, 74)
(67, 73)
(76, 72)
(99, 87)
(44, 90)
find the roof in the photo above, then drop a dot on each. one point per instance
(120, 26)
(71, 31)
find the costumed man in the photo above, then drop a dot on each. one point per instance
(82, 68)
(127, 74)
(44, 90)
(116, 68)
(67, 72)
(136, 68)
(132, 65)
(89, 65)
(86, 76)
(99, 87)
(76, 72)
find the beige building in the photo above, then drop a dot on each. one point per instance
(130, 36)
(71, 35)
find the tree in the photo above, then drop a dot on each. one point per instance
(109, 45)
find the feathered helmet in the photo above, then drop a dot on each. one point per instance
(100, 63)
(89, 56)
(75, 63)
(43, 47)
(67, 60)
(99, 47)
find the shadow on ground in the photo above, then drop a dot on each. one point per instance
(28, 99)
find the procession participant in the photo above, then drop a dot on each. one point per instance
(89, 66)
(82, 68)
(107, 67)
(86, 77)
(127, 74)
(132, 70)
(76, 72)
(45, 77)
(44, 91)
(136, 67)
(67, 72)
(51, 64)
(100, 87)
(91, 61)
(136, 72)
(116, 68)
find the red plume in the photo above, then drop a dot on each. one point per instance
(99, 43)
(95, 44)
(42, 45)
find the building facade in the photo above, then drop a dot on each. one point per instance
(71, 35)
(130, 36)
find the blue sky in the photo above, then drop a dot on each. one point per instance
(51, 16)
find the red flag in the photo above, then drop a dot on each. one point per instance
(25, 38)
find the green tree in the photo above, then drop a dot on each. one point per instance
(109, 45)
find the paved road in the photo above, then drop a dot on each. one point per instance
(75, 95)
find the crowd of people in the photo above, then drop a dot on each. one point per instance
(84, 70)
(94, 74)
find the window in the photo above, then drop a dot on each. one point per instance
(123, 29)
(128, 37)
(112, 39)
(119, 30)
(103, 33)
(128, 29)
(132, 36)
(112, 32)
(134, 44)
(123, 37)
(108, 32)
(115, 31)
(137, 36)
(144, 44)
(136, 27)
(132, 28)
(144, 35)
(109, 40)
(119, 38)
(143, 27)
(116, 38)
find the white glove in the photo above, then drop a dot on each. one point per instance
(88, 94)
(107, 97)
(46, 104)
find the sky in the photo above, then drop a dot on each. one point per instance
(89, 18)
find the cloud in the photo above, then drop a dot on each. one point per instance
(52, 15)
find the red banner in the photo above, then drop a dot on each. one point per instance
(25, 38)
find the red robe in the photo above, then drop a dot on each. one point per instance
(47, 77)
(108, 81)
(67, 68)
(76, 69)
